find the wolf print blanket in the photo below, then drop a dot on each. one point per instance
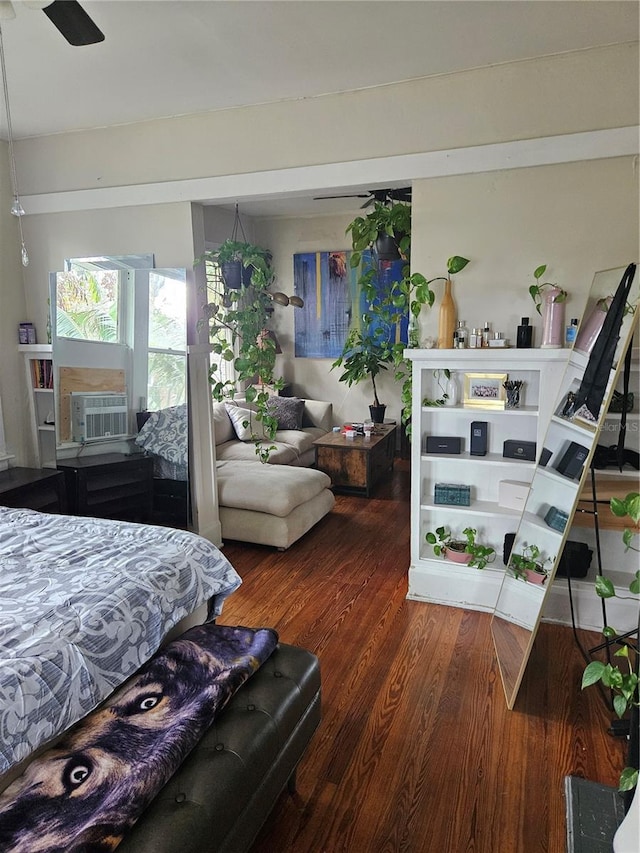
(84, 793)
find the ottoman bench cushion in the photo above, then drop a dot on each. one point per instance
(272, 489)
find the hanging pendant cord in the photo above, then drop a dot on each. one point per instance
(12, 163)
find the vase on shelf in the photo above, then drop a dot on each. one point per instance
(552, 319)
(446, 318)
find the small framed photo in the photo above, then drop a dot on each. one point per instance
(484, 390)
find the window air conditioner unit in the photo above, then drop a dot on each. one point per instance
(96, 416)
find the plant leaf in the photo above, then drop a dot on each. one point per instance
(456, 264)
(604, 587)
(539, 271)
(628, 779)
(592, 673)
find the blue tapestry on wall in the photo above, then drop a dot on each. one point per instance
(333, 300)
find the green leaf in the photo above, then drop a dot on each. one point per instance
(539, 271)
(456, 264)
(628, 779)
(592, 673)
(620, 705)
(634, 586)
(618, 507)
(604, 587)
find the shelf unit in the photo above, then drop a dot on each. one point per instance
(433, 578)
(616, 564)
(38, 361)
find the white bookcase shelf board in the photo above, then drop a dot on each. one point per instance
(435, 579)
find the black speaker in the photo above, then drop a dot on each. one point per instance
(513, 449)
(444, 444)
(479, 438)
(545, 456)
(572, 461)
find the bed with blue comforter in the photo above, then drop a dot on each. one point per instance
(84, 603)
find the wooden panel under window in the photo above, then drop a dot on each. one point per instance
(84, 379)
(606, 488)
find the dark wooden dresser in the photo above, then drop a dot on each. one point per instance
(110, 485)
(33, 488)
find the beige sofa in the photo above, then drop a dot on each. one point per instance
(274, 503)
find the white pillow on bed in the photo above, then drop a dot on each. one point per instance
(244, 422)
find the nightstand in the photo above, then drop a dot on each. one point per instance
(110, 485)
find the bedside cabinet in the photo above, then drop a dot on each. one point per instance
(110, 485)
(33, 488)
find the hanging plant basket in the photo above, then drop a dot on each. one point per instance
(234, 274)
(387, 246)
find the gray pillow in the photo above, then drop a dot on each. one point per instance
(287, 410)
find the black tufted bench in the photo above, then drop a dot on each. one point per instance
(222, 794)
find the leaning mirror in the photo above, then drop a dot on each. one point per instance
(532, 557)
(119, 351)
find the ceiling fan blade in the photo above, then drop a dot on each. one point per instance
(357, 195)
(73, 22)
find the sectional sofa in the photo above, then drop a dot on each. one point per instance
(277, 502)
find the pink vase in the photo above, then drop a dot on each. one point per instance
(552, 319)
(592, 326)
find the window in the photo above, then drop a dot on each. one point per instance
(167, 356)
(88, 305)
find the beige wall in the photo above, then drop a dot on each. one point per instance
(582, 91)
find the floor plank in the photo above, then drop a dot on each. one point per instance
(417, 751)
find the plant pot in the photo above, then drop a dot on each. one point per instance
(532, 576)
(387, 246)
(377, 413)
(234, 274)
(457, 556)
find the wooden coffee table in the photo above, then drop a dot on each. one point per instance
(355, 465)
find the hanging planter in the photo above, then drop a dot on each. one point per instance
(235, 275)
(387, 246)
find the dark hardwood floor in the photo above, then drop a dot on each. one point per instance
(417, 750)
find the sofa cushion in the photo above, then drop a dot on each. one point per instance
(288, 411)
(222, 427)
(244, 422)
(245, 451)
(273, 489)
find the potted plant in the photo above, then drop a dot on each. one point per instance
(537, 290)
(386, 229)
(366, 353)
(621, 678)
(465, 550)
(238, 261)
(529, 566)
(238, 323)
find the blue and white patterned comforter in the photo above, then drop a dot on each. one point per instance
(84, 603)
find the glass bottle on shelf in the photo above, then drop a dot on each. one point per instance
(451, 390)
(413, 331)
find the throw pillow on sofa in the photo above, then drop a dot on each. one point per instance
(288, 411)
(244, 422)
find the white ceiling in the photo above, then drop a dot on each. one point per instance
(164, 58)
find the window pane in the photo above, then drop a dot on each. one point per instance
(167, 312)
(87, 305)
(167, 380)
